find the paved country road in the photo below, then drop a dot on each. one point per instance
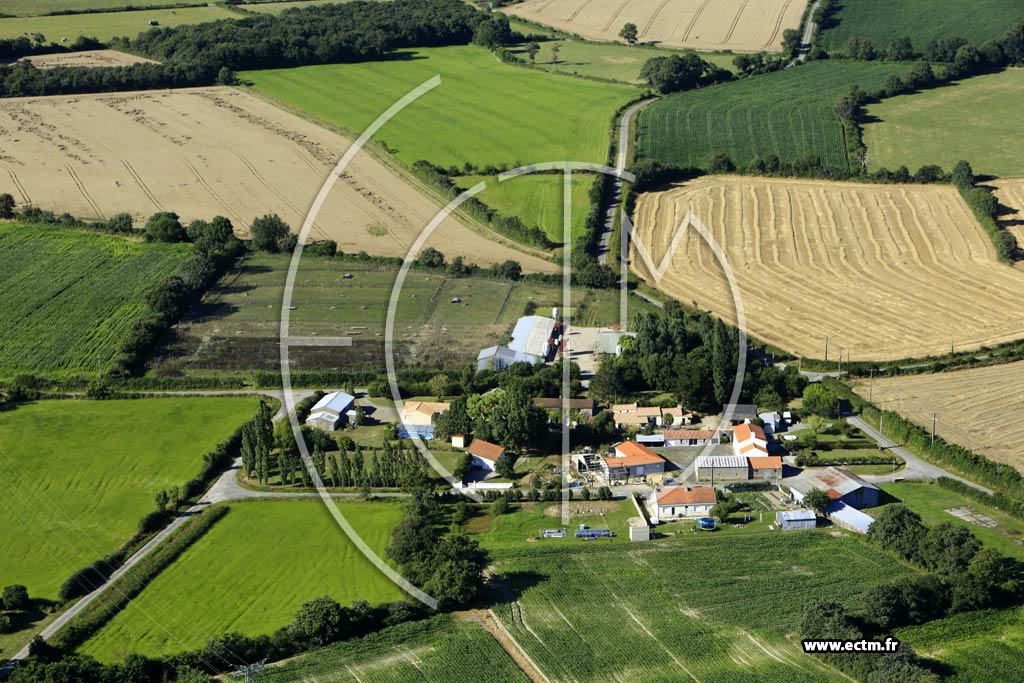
(620, 165)
(225, 489)
(916, 468)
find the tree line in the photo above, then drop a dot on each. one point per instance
(692, 356)
(210, 53)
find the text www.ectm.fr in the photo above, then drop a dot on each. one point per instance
(888, 645)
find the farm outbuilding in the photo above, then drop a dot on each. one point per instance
(766, 467)
(840, 484)
(331, 411)
(788, 520)
(630, 459)
(716, 469)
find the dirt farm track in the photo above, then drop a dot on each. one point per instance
(978, 408)
(208, 151)
(887, 272)
(740, 25)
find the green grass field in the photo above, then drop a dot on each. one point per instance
(979, 647)
(438, 650)
(81, 474)
(789, 113)
(921, 21)
(537, 200)
(931, 502)
(31, 8)
(70, 297)
(484, 112)
(977, 119)
(606, 61)
(237, 329)
(512, 530)
(107, 25)
(710, 608)
(250, 574)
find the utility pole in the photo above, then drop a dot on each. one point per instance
(826, 347)
(840, 364)
(935, 417)
(249, 671)
(871, 386)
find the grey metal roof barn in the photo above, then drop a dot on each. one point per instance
(532, 334)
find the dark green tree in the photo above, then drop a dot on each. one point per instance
(898, 529)
(6, 206)
(322, 621)
(629, 33)
(165, 227)
(818, 501)
(268, 231)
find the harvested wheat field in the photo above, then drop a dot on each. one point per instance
(885, 271)
(86, 58)
(1010, 192)
(978, 408)
(741, 25)
(208, 151)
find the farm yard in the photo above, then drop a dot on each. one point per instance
(237, 327)
(86, 58)
(167, 153)
(978, 408)
(483, 113)
(438, 650)
(859, 263)
(71, 297)
(788, 113)
(979, 647)
(928, 127)
(81, 474)
(1010, 193)
(106, 25)
(634, 613)
(738, 25)
(920, 20)
(229, 581)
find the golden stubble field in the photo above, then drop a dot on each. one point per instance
(741, 25)
(886, 271)
(978, 408)
(86, 58)
(1010, 192)
(207, 151)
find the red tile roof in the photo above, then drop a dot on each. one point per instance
(745, 431)
(632, 448)
(485, 450)
(682, 495)
(754, 447)
(768, 462)
(689, 434)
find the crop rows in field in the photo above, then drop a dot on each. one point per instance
(70, 297)
(711, 609)
(880, 269)
(439, 650)
(979, 408)
(788, 113)
(979, 647)
(920, 20)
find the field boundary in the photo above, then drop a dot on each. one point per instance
(490, 623)
(375, 149)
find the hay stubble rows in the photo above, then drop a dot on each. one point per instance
(207, 151)
(886, 271)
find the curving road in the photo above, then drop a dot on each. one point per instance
(620, 165)
(226, 489)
